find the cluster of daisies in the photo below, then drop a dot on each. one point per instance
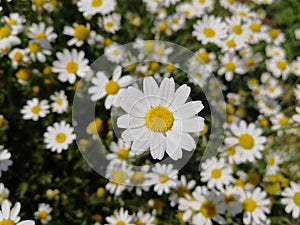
(151, 116)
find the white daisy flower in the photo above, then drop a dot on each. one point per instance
(8, 38)
(5, 161)
(164, 177)
(120, 150)
(297, 34)
(43, 213)
(37, 51)
(275, 36)
(273, 161)
(234, 99)
(256, 205)
(279, 67)
(60, 102)
(112, 89)
(35, 109)
(248, 140)
(274, 51)
(160, 118)
(297, 92)
(296, 117)
(59, 136)
(216, 173)
(92, 7)
(238, 31)
(231, 65)
(291, 199)
(280, 120)
(268, 106)
(70, 64)
(203, 6)
(232, 199)
(295, 66)
(120, 217)
(4, 193)
(143, 218)
(243, 11)
(111, 23)
(40, 31)
(210, 29)
(9, 215)
(114, 52)
(140, 180)
(187, 10)
(18, 56)
(15, 21)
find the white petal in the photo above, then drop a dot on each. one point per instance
(166, 91)
(189, 109)
(151, 89)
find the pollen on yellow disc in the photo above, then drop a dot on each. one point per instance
(148, 46)
(42, 214)
(159, 119)
(81, 32)
(296, 199)
(237, 29)
(39, 3)
(109, 24)
(112, 87)
(123, 153)
(163, 178)
(202, 1)
(205, 130)
(120, 222)
(4, 32)
(182, 191)
(250, 62)
(249, 205)
(216, 173)
(243, 14)
(100, 191)
(36, 89)
(274, 33)
(116, 52)
(203, 57)
(61, 138)
(40, 35)
(170, 68)
(36, 109)
(18, 56)
(231, 150)
(230, 109)
(107, 41)
(229, 198)
(272, 188)
(154, 66)
(72, 67)
(95, 126)
(59, 101)
(7, 222)
(47, 71)
(118, 176)
(35, 47)
(239, 183)
(281, 64)
(131, 67)
(163, 27)
(246, 141)
(208, 209)
(230, 66)
(96, 3)
(255, 27)
(138, 178)
(209, 32)
(231, 43)
(11, 22)
(24, 74)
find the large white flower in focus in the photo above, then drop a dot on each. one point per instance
(159, 118)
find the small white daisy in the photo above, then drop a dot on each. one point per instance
(141, 218)
(92, 7)
(43, 213)
(120, 217)
(60, 102)
(35, 109)
(37, 50)
(40, 31)
(273, 161)
(4, 193)
(296, 117)
(5, 161)
(15, 21)
(291, 199)
(114, 52)
(18, 56)
(111, 23)
(120, 150)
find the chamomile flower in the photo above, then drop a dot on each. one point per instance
(15, 21)
(120, 217)
(70, 64)
(231, 199)
(143, 218)
(297, 92)
(295, 67)
(37, 51)
(164, 177)
(216, 173)
(9, 215)
(243, 11)
(291, 199)
(230, 65)
(268, 106)
(203, 6)
(160, 118)
(120, 150)
(114, 52)
(296, 117)
(256, 205)
(279, 67)
(248, 140)
(140, 180)
(112, 89)
(92, 7)
(60, 102)
(43, 213)
(187, 10)
(275, 36)
(111, 23)
(4, 193)
(210, 29)
(273, 161)
(238, 31)
(18, 56)
(59, 136)
(8, 38)
(40, 31)
(5, 161)
(35, 109)
(274, 51)
(280, 120)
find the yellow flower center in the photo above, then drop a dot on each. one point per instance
(229, 198)
(246, 141)
(249, 205)
(72, 67)
(7, 222)
(216, 173)
(250, 62)
(231, 150)
(231, 43)
(59, 101)
(35, 47)
(148, 46)
(42, 215)
(237, 29)
(159, 119)
(36, 109)
(11, 22)
(284, 121)
(253, 178)
(2, 124)
(116, 52)
(203, 57)
(186, 12)
(160, 51)
(39, 3)
(255, 27)
(208, 209)
(163, 178)
(209, 32)
(123, 153)
(112, 87)
(96, 4)
(271, 161)
(281, 65)
(163, 27)
(4, 32)
(138, 222)
(182, 191)
(230, 66)
(274, 33)
(61, 138)
(18, 56)
(23, 74)
(81, 33)
(243, 14)
(109, 24)
(296, 199)
(118, 176)
(138, 178)
(202, 1)
(40, 35)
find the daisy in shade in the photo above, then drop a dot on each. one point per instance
(112, 89)
(120, 217)
(210, 29)
(35, 109)
(59, 136)
(4, 193)
(43, 213)
(216, 173)
(40, 31)
(114, 52)
(231, 65)
(291, 199)
(70, 64)
(60, 102)
(164, 177)
(160, 118)
(248, 140)
(141, 218)
(279, 67)
(5, 161)
(92, 7)
(11, 216)
(17, 57)
(256, 205)
(111, 23)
